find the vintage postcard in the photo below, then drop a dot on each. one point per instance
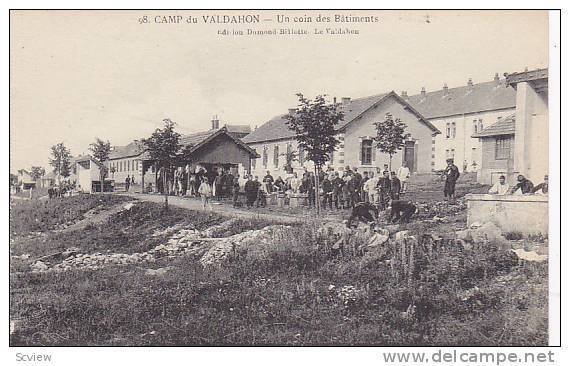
(282, 178)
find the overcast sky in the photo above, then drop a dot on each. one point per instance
(76, 76)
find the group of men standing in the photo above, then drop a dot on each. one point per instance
(349, 188)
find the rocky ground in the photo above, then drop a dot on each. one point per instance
(129, 273)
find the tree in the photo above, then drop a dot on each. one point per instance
(314, 125)
(36, 172)
(163, 147)
(60, 160)
(100, 151)
(390, 136)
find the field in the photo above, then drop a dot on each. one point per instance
(138, 275)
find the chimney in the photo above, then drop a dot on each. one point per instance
(215, 123)
(423, 92)
(345, 100)
(496, 78)
(292, 111)
(404, 94)
(445, 89)
(470, 82)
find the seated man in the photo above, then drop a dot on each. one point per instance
(401, 211)
(501, 187)
(363, 211)
(542, 188)
(524, 185)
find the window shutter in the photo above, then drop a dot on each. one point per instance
(373, 153)
(360, 152)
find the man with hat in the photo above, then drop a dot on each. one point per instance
(451, 176)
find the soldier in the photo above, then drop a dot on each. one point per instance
(451, 176)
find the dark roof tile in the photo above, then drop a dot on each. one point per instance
(480, 97)
(505, 126)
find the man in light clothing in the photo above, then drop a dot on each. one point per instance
(403, 175)
(501, 187)
(370, 188)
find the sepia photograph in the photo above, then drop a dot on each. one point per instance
(281, 178)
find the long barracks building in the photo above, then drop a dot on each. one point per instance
(441, 124)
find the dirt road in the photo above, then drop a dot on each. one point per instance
(225, 209)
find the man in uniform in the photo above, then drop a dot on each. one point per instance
(451, 176)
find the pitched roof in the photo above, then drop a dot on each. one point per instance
(276, 128)
(195, 140)
(135, 148)
(487, 96)
(238, 128)
(80, 158)
(49, 175)
(505, 126)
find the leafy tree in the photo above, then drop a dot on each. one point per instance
(314, 125)
(36, 172)
(100, 151)
(390, 136)
(60, 160)
(163, 147)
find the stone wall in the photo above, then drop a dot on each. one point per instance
(527, 214)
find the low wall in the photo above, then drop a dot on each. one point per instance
(527, 214)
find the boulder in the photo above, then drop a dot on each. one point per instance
(531, 256)
(377, 239)
(464, 235)
(487, 232)
(39, 266)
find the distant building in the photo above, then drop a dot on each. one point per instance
(25, 180)
(355, 133)
(87, 173)
(518, 144)
(461, 112)
(48, 180)
(217, 147)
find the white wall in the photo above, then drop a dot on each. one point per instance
(463, 143)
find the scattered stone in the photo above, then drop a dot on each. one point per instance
(39, 266)
(531, 256)
(464, 235)
(402, 235)
(157, 272)
(378, 239)
(487, 232)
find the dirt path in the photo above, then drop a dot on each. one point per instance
(95, 218)
(226, 210)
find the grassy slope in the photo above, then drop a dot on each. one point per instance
(274, 295)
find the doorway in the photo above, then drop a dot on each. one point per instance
(410, 155)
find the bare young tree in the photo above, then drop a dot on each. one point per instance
(390, 135)
(60, 160)
(36, 172)
(100, 151)
(164, 147)
(314, 125)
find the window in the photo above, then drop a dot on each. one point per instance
(502, 147)
(447, 130)
(453, 130)
(366, 153)
(480, 124)
(276, 156)
(264, 157)
(475, 124)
